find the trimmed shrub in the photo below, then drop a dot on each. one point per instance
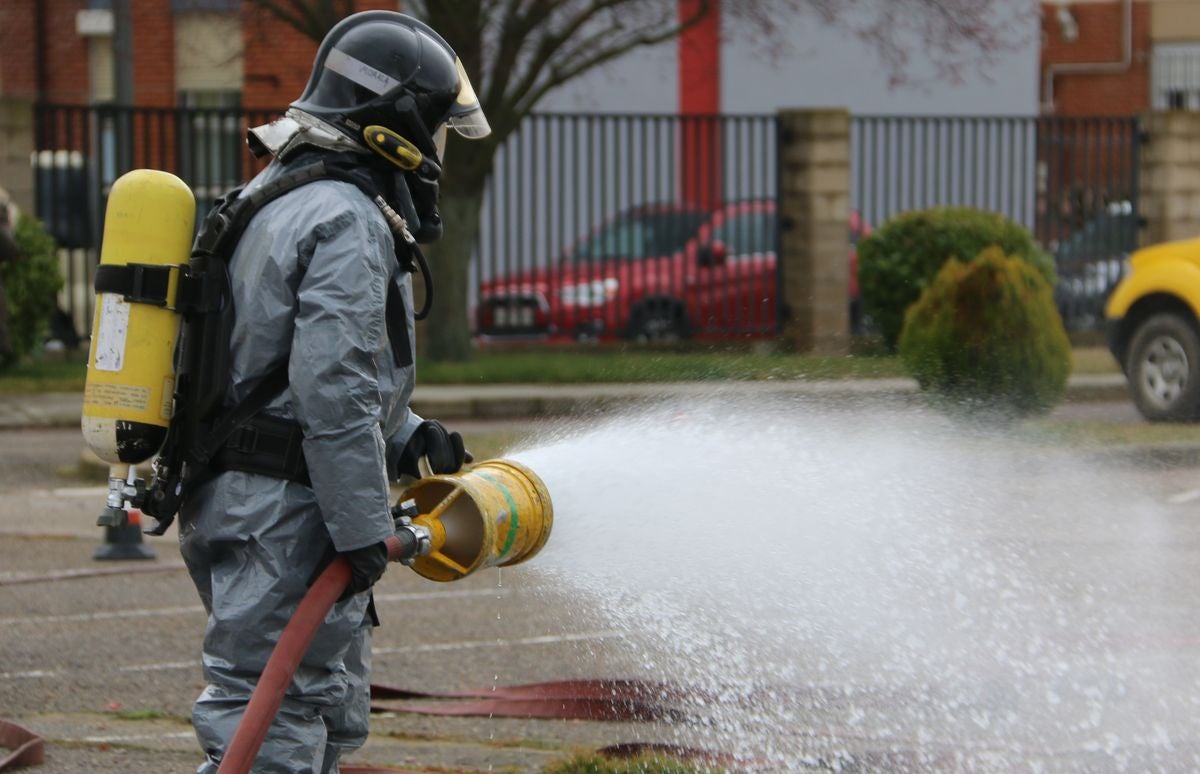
(986, 338)
(31, 283)
(642, 764)
(903, 256)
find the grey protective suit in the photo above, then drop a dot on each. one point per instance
(310, 278)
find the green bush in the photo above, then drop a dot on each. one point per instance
(31, 283)
(986, 337)
(642, 764)
(903, 256)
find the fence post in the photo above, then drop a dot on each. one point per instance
(16, 145)
(814, 203)
(1169, 179)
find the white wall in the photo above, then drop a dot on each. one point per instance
(645, 80)
(819, 67)
(831, 68)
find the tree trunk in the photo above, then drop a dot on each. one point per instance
(446, 334)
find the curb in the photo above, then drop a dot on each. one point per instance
(518, 401)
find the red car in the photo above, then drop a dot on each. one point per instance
(655, 273)
(659, 272)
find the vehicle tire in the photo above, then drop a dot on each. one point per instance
(659, 321)
(1163, 368)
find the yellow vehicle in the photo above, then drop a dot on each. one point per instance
(1153, 328)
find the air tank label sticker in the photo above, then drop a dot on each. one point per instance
(122, 396)
(168, 395)
(114, 327)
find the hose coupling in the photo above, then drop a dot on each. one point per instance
(416, 539)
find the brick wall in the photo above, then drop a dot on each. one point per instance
(153, 53)
(814, 209)
(17, 41)
(278, 58)
(1100, 40)
(66, 54)
(1170, 177)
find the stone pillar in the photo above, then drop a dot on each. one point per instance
(16, 145)
(1169, 178)
(814, 202)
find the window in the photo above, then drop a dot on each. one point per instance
(1175, 76)
(747, 234)
(639, 234)
(204, 5)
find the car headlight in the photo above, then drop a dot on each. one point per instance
(594, 293)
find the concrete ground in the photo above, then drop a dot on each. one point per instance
(106, 667)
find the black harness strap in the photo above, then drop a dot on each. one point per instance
(264, 392)
(142, 283)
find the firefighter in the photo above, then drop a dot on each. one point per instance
(321, 291)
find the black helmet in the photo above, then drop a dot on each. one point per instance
(382, 68)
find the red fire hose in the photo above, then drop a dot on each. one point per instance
(292, 645)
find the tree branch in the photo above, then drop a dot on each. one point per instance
(588, 54)
(559, 75)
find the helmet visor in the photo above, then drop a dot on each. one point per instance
(439, 142)
(466, 116)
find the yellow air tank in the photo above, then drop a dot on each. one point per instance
(148, 230)
(495, 514)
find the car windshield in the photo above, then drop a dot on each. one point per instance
(640, 235)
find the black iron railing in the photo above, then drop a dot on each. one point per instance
(649, 226)
(1071, 181)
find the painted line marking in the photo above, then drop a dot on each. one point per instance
(112, 615)
(1184, 497)
(31, 675)
(163, 667)
(17, 579)
(452, 594)
(549, 639)
(134, 737)
(72, 491)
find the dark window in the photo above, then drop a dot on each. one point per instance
(204, 5)
(640, 235)
(748, 233)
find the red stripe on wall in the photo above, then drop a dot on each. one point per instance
(699, 103)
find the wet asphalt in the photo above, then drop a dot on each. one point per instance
(106, 668)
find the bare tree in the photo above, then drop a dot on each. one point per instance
(517, 51)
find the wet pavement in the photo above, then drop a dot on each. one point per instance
(106, 668)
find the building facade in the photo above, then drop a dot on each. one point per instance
(1119, 57)
(187, 53)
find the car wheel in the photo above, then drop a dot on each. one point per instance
(1163, 367)
(658, 321)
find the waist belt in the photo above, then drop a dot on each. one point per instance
(269, 446)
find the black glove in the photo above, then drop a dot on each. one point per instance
(366, 566)
(445, 450)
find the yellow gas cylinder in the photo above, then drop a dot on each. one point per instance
(495, 514)
(148, 230)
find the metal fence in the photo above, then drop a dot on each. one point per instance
(647, 227)
(81, 150)
(1071, 181)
